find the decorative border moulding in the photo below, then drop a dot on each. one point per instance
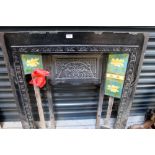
(128, 83)
(75, 48)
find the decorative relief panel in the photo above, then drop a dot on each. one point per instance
(76, 67)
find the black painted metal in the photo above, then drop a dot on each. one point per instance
(144, 99)
(81, 42)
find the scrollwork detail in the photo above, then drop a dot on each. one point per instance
(129, 84)
(23, 91)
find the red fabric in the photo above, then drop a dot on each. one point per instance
(38, 77)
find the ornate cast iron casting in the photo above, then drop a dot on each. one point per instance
(73, 66)
(82, 68)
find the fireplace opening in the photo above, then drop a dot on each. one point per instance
(74, 86)
(70, 102)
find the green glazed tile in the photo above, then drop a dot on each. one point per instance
(113, 87)
(117, 64)
(31, 62)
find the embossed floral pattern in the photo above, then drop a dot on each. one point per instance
(32, 62)
(117, 62)
(113, 88)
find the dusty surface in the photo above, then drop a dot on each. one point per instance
(75, 124)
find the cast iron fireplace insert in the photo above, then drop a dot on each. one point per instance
(74, 59)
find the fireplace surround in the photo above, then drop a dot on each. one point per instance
(73, 59)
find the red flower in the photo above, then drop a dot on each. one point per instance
(38, 77)
(39, 72)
